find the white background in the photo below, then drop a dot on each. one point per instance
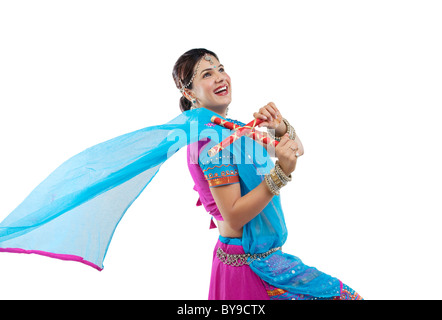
(359, 80)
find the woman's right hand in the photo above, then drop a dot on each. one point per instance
(285, 151)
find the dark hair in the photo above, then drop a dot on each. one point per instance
(183, 70)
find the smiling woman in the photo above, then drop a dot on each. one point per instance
(73, 213)
(207, 83)
(247, 260)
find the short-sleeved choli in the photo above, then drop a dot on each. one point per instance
(208, 172)
(220, 169)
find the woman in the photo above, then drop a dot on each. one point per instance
(204, 83)
(72, 215)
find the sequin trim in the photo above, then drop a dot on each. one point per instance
(274, 293)
(229, 174)
(222, 165)
(220, 181)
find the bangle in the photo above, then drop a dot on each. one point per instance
(290, 130)
(277, 179)
(281, 174)
(271, 185)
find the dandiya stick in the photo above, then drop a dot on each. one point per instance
(227, 124)
(247, 130)
(239, 131)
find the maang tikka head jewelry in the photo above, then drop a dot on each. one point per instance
(206, 57)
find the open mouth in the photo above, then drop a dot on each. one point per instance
(222, 91)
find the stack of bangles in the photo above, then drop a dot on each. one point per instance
(290, 130)
(277, 179)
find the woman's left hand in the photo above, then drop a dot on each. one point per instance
(271, 116)
(273, 120)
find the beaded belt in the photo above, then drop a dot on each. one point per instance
(238, 260)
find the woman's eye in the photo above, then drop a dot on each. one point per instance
(206, 74)
(221, 69)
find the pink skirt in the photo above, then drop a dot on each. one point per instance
(241, 283)
(234, 283)
(229, 282)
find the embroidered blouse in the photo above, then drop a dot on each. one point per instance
(209, 172)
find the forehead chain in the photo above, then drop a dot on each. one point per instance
(206, 57)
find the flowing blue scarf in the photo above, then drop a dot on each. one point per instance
(73, 213)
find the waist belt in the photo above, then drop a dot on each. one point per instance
(238, 260)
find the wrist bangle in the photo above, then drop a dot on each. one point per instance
(271, 185)
(290, 130)
(281, 173)
(277, 179)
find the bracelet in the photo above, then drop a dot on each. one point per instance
(276, 179)
(281, 173)
(290, 130)
(271, 185)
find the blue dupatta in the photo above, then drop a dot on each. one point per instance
(73, 213)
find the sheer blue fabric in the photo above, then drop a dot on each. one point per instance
(73, 213)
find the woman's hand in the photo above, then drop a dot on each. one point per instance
(286, 153)
(272, 118)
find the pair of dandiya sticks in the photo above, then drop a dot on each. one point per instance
(247, 130)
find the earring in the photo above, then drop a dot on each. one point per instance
(193, 104)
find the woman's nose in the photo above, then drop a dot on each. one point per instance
(220, 77)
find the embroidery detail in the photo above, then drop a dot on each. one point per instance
(220, 181)
(349, 294)
(223, 165)
(275, 292)
(222, 174)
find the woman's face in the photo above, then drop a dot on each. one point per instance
(211, 86)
